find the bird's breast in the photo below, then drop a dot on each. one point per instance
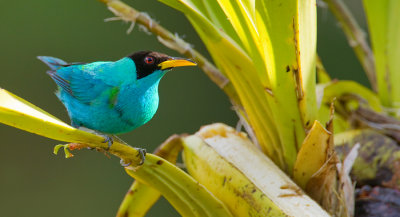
(137, 105)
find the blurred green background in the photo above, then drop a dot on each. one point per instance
(33, 181)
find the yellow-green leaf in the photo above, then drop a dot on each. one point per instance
(141, 197)
(287, 32)
(138, 200)
(312, 155)
(184, 193)
(240, 70)
(21, 114)
(249, 183)
(340, 88)
(383, 23)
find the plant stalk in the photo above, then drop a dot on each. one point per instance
(172, 41)
(356, 38)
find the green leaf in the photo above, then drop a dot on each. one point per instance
(21, 114)
(141, 197)
(184, 193)
(218, 18)
(383, 23)
(241, 71)
(338, 88)
(274, 80)
(241, 14)
(249, 183)
(288, 36)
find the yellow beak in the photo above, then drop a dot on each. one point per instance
(176, 62)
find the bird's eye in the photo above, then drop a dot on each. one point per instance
(149, 60)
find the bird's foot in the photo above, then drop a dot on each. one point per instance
(141, 153)
(122, 162)
(109, 140)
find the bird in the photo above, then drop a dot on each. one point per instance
(112, 97)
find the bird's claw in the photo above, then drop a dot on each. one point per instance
(142, 154)
(122, 162)
(109, 140)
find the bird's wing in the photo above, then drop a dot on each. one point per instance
(81, 81)
(56, 63)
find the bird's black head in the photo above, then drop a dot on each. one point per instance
(149, 61)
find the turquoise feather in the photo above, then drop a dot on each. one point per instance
(108, 96)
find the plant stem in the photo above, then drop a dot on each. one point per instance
(172, 41)
(356, 37)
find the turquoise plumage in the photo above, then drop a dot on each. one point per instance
(112, 97)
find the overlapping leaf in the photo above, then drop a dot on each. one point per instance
(383, 23)
(274, 80)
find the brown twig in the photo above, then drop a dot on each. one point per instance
(356, 38)
(172, 41)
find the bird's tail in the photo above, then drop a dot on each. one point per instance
(52, 62)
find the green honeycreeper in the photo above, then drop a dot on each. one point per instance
(112, 97)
